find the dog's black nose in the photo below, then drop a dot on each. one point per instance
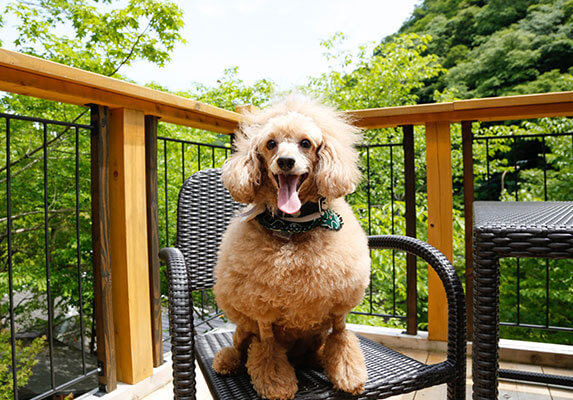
(285, 163)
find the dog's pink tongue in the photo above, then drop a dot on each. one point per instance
(288, 201)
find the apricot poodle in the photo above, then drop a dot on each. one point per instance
(296, 262)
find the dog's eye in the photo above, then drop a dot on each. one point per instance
(305, 144)
(271, 144)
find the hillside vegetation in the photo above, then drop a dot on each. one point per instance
(496, 47)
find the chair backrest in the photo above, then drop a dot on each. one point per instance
(204, 210)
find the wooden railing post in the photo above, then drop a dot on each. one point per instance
(410, 200)
(131, 306)
(440, 220)
(153, 236)
(468, 161)
(101, 249)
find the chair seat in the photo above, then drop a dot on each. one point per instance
(389, 373)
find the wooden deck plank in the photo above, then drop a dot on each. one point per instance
(524, 391)
(559, 393)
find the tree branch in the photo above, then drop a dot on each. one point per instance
(26, 214)
(126, 59)
(49, 143)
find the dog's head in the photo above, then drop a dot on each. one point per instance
(291, 153)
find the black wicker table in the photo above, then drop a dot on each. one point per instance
(510, 229)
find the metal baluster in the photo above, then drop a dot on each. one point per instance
(10, 266)
(182, 163)
(487, 158)
(369, 216)
(546, 292)
(544, 169)
(79, 251)
(47, 259)
(518, 292)
(392, 219)
(165, 191)
(516, 173)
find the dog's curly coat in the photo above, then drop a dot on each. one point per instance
(289, 296)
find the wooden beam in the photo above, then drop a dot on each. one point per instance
(440, 219)
(29, 84)
(107, 377)
(131, 306)
(153, 237)
(32, 76)
(492, 109)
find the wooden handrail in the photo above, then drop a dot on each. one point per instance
(488, 109)
(33, 76)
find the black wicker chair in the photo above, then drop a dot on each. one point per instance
(204, 210)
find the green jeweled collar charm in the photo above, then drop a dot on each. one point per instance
(311, 215)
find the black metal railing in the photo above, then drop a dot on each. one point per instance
(383, 188)
(382, 192)
(45, 258)
(534, 293)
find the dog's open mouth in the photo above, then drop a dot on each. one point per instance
(288, 201)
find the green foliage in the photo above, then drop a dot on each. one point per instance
(93, 35)
(232, 91)
(100, 37)
(381, 77)
(497, 48)
(25, 360)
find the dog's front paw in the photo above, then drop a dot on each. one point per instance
(343, 362)
(227, 361)
(271, 373)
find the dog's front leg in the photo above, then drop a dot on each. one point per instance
(271, 373)
(343, 360)
(231, 359)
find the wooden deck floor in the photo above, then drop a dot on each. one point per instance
(507, 390)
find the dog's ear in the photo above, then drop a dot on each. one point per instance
(242, 172)
(337, 172)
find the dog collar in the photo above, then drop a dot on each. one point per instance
(310, 216)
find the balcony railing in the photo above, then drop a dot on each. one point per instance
(125, 153)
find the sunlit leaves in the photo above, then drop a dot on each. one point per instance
(97, 36)
(380, 76)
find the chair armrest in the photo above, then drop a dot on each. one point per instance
(450, 281)
(180, 323)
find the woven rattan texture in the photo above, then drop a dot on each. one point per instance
(524, 229)
(389, 373)
(180, 324)
(204, 210)
(508, 229)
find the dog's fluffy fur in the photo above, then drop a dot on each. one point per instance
(289, 297)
